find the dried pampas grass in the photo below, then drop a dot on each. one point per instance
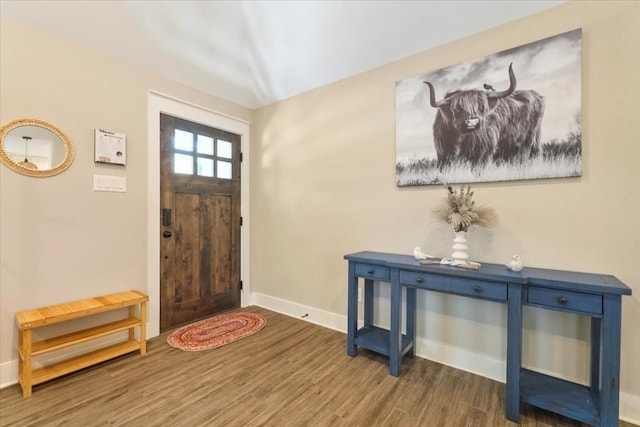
(459, 210)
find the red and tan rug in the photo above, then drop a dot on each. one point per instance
(216, 331)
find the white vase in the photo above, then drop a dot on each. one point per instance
(460, 246)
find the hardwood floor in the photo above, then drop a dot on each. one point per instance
(292, 373)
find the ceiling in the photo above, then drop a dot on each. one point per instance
(258, 52)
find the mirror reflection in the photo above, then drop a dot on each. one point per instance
(34, 147)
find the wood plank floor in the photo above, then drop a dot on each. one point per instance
(292, 373)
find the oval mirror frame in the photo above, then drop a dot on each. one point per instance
(12, 164)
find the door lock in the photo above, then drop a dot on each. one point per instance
(166, 217)
(166, 234)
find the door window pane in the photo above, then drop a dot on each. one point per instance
(224, 149)
(205, 145)
(224, 169)
(183, 140)
(183, 163)
(205, 166)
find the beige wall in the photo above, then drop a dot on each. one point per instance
(60, 240)
(323, 186)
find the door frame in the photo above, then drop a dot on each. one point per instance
(161, 103)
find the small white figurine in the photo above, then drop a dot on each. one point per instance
(515, 264)
(418, 254)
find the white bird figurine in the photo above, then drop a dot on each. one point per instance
(418, 254)
(515, 264)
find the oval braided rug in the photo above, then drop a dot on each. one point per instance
(216, 331)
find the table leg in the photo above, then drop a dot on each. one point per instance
(132, 316)
(368, 302)
(514, 351)
(143, 327)
(610, 389)
(596, 333)
(352, 310)
(411, 319)
(24, 361)
(395, 334)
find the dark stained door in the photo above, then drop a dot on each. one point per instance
(199, 221)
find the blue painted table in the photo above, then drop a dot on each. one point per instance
(595, 295)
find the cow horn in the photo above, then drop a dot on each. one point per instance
(432, 97)
(512, 86)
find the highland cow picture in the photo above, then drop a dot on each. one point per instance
(512, 115)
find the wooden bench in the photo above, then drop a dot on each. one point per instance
(29, 320)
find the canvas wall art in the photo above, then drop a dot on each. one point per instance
(512, 115)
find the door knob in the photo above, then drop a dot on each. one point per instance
(166, 234)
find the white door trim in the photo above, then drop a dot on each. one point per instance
(161, 103)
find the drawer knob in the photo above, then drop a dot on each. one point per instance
(477, 288)
(563, 300)
(419, 279)
(370, 271)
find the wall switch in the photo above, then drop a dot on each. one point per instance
(110, 183)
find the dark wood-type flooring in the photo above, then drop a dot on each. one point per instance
(292, 373)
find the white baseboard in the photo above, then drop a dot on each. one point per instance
(8, 373)
(630, 408)
(327, 319)
(476, 363)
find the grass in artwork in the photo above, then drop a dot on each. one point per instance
(558, 159)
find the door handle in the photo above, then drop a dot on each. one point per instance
(166, 234)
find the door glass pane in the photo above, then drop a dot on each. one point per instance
(183, 163)
(224, 149)
(224, 169)
(205, 166)
(183, 140)
(205, 145)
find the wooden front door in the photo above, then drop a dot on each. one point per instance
(199, 221)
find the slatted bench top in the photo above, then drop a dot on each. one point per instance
(29, 319)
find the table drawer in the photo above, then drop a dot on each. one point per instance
(480, 289)
(565, 300)
(425, 280)
(371, 271)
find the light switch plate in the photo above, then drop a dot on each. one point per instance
(116, 184)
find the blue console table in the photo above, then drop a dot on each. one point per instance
(595, 295)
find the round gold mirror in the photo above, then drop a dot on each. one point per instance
(35, 148)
